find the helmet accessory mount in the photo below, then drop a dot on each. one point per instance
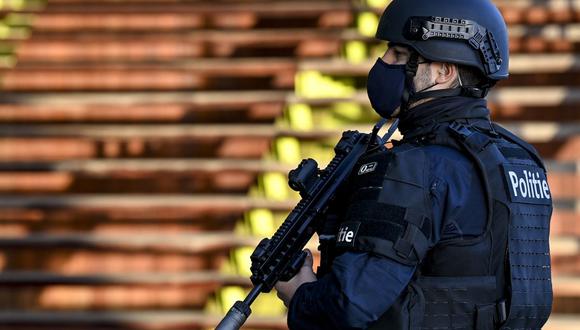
(478, 37)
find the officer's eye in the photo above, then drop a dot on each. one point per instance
(401, 56)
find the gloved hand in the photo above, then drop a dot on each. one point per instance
(286, 290)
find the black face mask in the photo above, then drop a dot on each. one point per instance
(385, 86)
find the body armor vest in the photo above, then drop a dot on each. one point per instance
(498, 280)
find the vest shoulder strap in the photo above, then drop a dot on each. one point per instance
(511, 137)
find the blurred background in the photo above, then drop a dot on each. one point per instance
(144, 146)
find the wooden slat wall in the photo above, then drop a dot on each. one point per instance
(135, 137)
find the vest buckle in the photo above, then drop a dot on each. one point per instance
(501, 311)
(459, 130)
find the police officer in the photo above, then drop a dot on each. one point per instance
(449, 228)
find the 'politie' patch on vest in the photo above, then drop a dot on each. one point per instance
(347, 234)
(527, 184)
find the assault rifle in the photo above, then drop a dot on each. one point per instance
(280, 257)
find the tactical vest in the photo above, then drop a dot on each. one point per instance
(499, 280)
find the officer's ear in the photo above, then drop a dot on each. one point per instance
(445, 74)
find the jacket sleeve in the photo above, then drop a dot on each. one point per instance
(362, 285)
(350, 296)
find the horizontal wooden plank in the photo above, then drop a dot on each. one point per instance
(206, 99)
(539, 13)
(522, 96)
(202, 75)
(178, 18)
(86, 81)
(150, 320)
(566, 286)
(168, 50)
(529, 12)
(165, 177)
(153, 320)
(240, 147)
(161, 176)
(191, 243)
(562, 322)
(106, 167)
(240, 37)
(519, 64)
(259, 112)
(199, 278)
(304, 42)
(102, 78)
(557, 4)
(127, 21)
(513, 13)
(203, 202)
(131, 17)
(50, 143)
(537, 63)
(129, 182)
(194, 165)
(120, 297)
(273, 8)
(563, 285)
(533, 132)
(510, 103)
(201, 242)
(100, 290)
(78, 261)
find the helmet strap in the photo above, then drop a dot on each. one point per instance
(474, 92)
(410, 96)
(410, 72)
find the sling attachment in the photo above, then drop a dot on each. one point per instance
(476, 142)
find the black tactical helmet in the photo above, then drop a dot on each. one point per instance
(465, 32)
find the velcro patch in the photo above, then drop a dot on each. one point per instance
(527, 184)
(347, 234)
(368, 168)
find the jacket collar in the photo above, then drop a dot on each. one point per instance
(427, 117)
